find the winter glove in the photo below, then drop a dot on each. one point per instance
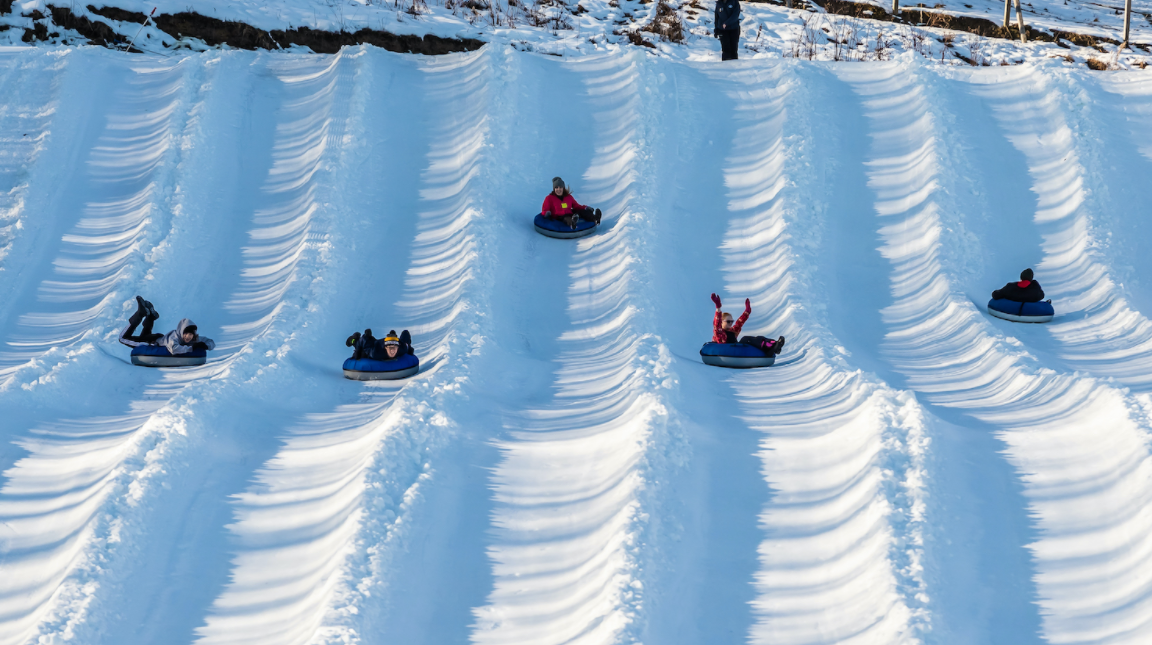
(200, 346)
(747, 306)
(716, 300)
(547, 213)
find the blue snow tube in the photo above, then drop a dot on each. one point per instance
(159, 356)
(736, 355)
(1026, 312)
(556, 228)
(370, 369)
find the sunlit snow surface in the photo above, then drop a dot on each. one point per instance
(564, 469)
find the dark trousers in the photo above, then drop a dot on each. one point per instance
(588, 214)
(729, 44)
(757, 341)
(146, 337)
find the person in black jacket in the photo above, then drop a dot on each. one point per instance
(728, 28)
(384, 349)
(1027, 290)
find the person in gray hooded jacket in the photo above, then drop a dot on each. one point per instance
(181, 340)
(728, 28)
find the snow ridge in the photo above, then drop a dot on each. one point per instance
(568, 491)
(24, 122)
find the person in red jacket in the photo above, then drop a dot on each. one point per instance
(561, 205)
(726, 331)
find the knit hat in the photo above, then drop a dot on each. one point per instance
(557, 183)
(1026, 274)
(392, 339)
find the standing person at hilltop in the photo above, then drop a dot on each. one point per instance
(728, 28)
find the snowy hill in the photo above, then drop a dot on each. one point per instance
(956, 32)
(564, 469)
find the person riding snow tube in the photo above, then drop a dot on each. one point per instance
(181, 347)
(388, 358)
(726, 351)
(561, 216)
(1021, 301)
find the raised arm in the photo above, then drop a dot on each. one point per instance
(739, 324)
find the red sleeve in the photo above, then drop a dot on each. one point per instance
(575, 204)
(740, 323)
(718, 335)
(547, 204)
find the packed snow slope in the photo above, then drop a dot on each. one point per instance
(564, 469)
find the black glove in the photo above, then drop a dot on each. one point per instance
(200, 345)
(547, 213)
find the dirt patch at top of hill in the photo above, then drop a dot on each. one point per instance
(114, 13)
(330, 42)
(215, 32)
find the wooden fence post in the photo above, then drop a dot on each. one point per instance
(1007, 12)
(1020, 22)
(1127, 21)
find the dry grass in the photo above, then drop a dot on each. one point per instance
(666, 23)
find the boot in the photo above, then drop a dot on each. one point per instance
(151, 310)
(597, 214)
(779, 346)
(352, 339)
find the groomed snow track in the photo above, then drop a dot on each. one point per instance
(563, 469)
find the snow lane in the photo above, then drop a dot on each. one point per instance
(57, 523)
(136, 446)
(123, 185)
(567, 487)
(842, 454)
(355, 458)
(1109, 337)
(1088, 492)
(1118, 154)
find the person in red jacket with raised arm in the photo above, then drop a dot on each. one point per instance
(726, 331)
(561, 205)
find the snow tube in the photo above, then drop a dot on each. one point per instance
(1026, 312)
(737, 355)
(368, 369)
(556, 228)
(159, 356)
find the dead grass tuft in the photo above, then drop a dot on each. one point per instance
(666, 24)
